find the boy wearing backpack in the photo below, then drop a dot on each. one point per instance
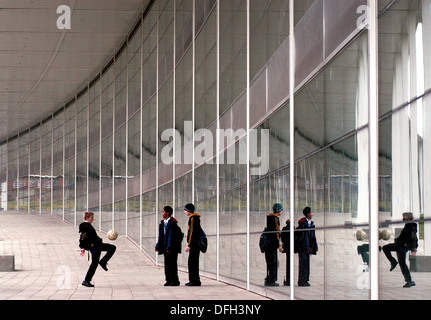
(406, 241)
(89, 240)
(169, 244)
(272, 225)
(193, 236)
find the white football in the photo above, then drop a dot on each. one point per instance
(360, 235)
(112, 234)
(385, 234)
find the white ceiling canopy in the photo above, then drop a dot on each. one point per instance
(42, 66)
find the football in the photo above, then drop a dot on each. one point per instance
(360, 235)
(385, 234)
(112, 234)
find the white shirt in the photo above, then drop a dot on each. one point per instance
(165, 221)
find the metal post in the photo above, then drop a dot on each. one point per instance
(218, 144)
(248, 144)
(292, 136)
(140, 132)
(373, 117)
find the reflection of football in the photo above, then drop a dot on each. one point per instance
(385, 234)
(112, 234)
(360, 235)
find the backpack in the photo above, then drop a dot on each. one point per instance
(263, 241)
(412, 242)
(84, 242)
(297, 241)
(178, 234)
(408, 241)
(203, 242)
(285, 238)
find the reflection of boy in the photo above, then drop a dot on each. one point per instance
(363, 249)
(273, 224)
(406, 241)
(307, 246)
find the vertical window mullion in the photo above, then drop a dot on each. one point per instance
(373, 124)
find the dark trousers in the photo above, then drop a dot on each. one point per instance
(95, 256)
(193, 265)
(271, 265)
(304, 267)
(401, 256)
(171, 267)
(363, 250)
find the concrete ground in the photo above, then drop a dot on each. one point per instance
(48, 267)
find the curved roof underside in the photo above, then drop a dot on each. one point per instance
(42, 67)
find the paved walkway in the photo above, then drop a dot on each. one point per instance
(48, 266)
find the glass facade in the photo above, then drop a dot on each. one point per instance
(196, 106)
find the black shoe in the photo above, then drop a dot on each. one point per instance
(86, 283)
(193, 284)
(167, 284)
(271, 284)
(103, 265)
(303, 284)
(286, 283)
(175, 284)
(409, 284)
(393, 265)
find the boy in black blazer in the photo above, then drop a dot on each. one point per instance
(169, 245)
(307, 246)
